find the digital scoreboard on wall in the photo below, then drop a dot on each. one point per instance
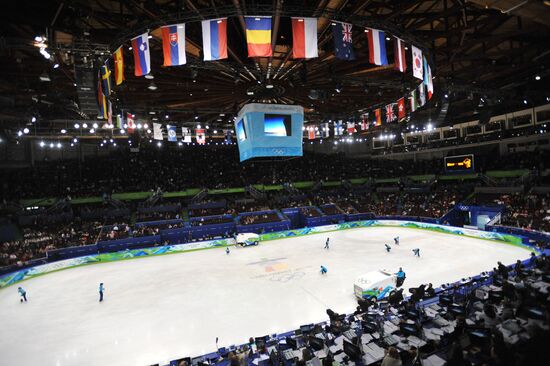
(269, 130)
(459, 164)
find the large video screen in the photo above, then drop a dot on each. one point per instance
(459, 164)
(269, 130)
(241, 132)
(277, 125)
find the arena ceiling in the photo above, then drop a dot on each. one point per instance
(480, 49)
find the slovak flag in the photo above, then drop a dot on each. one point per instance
(173, 44)
(399, 58)
(214, 39)
(304, 37)
(142, 58)
(377, 47)
(418, 71)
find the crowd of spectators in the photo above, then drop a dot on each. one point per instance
(260, 218)
(527, 211)
(219, 167)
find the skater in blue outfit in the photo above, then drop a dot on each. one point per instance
(388, 248)
(23, 293)
(101, 290)
(323, 270)
(327, 243)
(227, 251)
(400, 277)
(416, 252)
(396, 240)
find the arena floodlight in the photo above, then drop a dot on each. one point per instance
(95, 125)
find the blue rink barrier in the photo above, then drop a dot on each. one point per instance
(128, 243)
(158, 223)
(71, 252)
(528, 235)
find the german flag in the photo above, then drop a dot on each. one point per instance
(258, 36)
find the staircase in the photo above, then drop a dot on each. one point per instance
(199, 196)
(255, 193)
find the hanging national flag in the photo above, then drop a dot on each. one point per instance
(428, 80)
(109, 113)
(214, 39)
(351, 128)
(186, 134)
(119, 66)
(413, 100)
(325, 130)
(142, 58)
(258, 36)
(377, 46)
(130, 125)
(228, 139)
(401, 112)
(173, 44)
(101, 99)
(417, 63)
(377, 117)
(364, 123)
(171, 133)
(421, 95)
(390, 115)
(399, 58)
(311, 133)
(343, 45)
(200, 136)
(304, 37)
(157, 131)
(338, 128)
(118, 121)
(105, 79)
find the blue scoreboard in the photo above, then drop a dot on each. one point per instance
(269, 130)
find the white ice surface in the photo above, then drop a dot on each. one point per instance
(166, 307)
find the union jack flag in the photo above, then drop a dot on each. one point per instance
(346, 32)
(390, 116)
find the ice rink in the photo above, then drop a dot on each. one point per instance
(166, 307)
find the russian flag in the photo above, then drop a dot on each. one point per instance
(377, 46)
(214, 39)
(173, 44)
(304, 37)
(142, 58)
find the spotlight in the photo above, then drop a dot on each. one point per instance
(159, 144)
(537, 77)
(63, 130)
(84, 125)
(56, 65)
(152, 86)
(92, 130)
(166, 116)
(76, 126)
(148, 131)
(207, 127)
(33, 119)
(95, 125)
(199, 126)
(145, 125)
(42, 144)
(75, 140)
(51, 145)
(19, 133)
(122, 131)
(25, 130)
(59, 145)
(139, 126)
(525, 101)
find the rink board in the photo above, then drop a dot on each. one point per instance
(31, 272)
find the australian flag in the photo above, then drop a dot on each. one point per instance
(343, 46)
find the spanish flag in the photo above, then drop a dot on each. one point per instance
(258, 36)
(119, 66)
